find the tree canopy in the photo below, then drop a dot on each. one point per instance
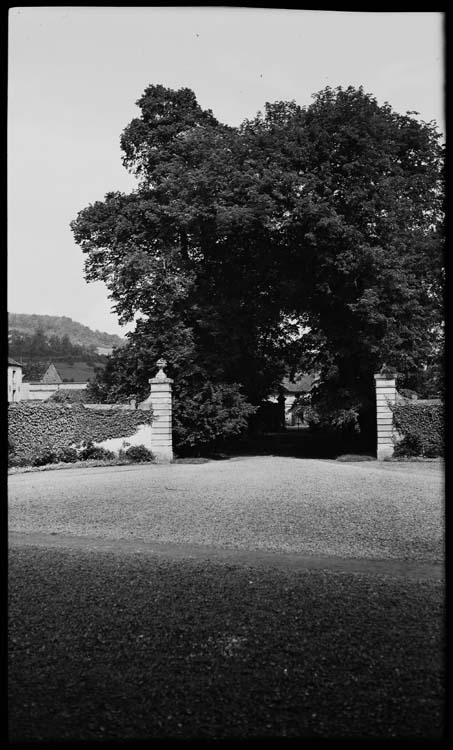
(306, 238)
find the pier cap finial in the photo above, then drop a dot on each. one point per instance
(160, 375)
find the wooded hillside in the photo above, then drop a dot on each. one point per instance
(56, 325)
(75, 350)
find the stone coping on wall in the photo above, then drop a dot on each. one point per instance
(69, 405)
(423, 401)
(109, 407)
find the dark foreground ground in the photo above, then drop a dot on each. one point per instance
(131, 646)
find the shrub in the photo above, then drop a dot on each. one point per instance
(46, 457)
(407, 393)
(205, 415)
(67, 455)
(312, 418)
(17, 461)
(55, 456)
(422, 427)
(331, 420)
(12, 458)
(95, 452)
(139, 454)
(410, 445)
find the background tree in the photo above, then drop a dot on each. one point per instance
(307, 238)
(41, 347)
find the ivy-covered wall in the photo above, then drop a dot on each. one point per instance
(35, 427)
(421, 423)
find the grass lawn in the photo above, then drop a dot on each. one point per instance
(115, 646)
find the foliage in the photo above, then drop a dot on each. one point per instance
(332, 420)
(409, 446)
(124, 377)
(407, 393)
(68, 455)
(40, 339)
(330, 407)
(138, 454)
(96, 452)
(36, 351)
(71, 455)
(32, 370)
(45, 457)
(13, 458)
(70, 396)
(269, 417)
(60, 327)
(37, 427)
(307, 238)
(427, 382)
(422, 428)
(17, 461)
(204, 412)
(208, 416)
(372, 215)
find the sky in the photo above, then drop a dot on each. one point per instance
(75, 73)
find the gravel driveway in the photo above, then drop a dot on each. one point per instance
(368, 510)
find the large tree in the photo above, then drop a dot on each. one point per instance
(364, 230)
(309, 237)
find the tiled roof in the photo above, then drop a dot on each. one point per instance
(41, 372)
(13, 362)
(300, 384)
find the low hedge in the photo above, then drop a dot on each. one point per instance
(138, 454)
(34, 428)
(422, 428)
(61, 455)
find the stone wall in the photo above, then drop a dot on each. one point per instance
(154, 430)
(387, 397)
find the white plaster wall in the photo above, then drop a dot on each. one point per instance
(43, 391)
(141, 437)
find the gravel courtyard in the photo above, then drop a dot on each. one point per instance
(370, 510)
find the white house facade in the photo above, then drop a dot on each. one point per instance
(14, 380)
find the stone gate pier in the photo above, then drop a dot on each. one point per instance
(385, 398)
(160, 401)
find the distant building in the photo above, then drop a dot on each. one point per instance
(104, 350)
(49, 381)
(51, 375)
(14, 380)
(290, 391)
